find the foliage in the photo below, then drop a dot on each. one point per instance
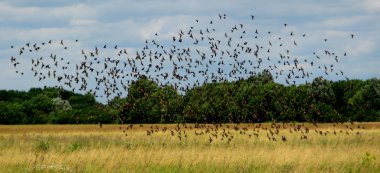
(255, 99)
(61, 104)
(148, 103)
(40, 106)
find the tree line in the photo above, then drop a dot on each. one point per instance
(255, 99)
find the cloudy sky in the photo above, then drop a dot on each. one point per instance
(128, 24)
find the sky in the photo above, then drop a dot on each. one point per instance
(129, 24)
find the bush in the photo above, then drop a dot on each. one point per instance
(42, 145)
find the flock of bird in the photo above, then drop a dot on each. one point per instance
(275, 132)
(202, 53)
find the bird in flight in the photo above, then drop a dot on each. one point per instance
(196, 55)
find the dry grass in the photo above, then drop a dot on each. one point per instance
(89, 148)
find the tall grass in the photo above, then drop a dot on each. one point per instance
(88, 148)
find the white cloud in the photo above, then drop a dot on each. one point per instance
(362, 48)
(151, 28)
(73, 11)
(43, 34)
(372, 5)
(336, 34)
(83, 22)
(17, 13)
(343, 21)
(129, 23)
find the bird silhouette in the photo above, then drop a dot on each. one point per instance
(238, 53)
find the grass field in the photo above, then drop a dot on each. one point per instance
(190, 148)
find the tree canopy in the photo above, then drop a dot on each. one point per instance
(255, 99)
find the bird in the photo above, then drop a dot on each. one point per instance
(235, 55)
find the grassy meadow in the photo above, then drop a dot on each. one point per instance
(191, 148)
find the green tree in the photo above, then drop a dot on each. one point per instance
(366, 101)
(11, 113)
(143, 102)
(37, 109)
